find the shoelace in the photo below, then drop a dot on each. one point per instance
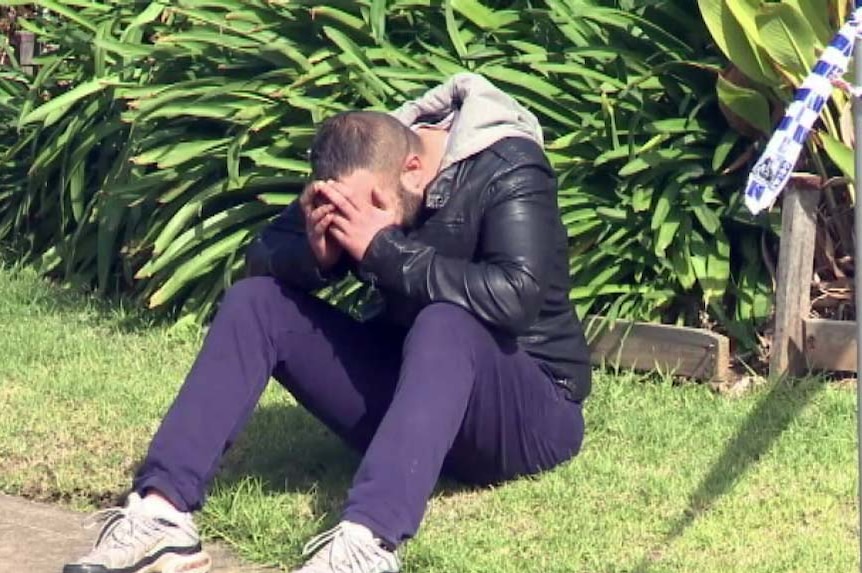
(344, 549)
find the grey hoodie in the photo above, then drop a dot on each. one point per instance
(476, 113)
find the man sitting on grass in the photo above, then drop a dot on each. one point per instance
(475, 367)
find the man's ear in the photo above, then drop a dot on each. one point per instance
(411, 173)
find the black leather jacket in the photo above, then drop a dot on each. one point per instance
(490, 239)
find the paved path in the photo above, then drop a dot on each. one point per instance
(39, 538)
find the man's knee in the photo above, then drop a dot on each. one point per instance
(442, 314)
(450, 328)
(446, 324)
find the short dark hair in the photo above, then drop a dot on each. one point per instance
(360, 140)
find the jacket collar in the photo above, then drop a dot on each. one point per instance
(439, 191)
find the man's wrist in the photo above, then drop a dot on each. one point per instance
(377, 264)
(370, 257)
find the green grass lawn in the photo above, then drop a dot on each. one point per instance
(671, 478)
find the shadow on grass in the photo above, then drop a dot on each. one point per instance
(288, 451)
(773, 414)
(53, 295)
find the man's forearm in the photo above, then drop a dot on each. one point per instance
(503, 294)
(506, 288)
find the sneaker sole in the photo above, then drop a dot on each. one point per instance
(199, 562)
(173, 563)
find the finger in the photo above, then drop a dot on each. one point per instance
(319, 212)
(312, 197)
(341, 188)
(306, 196)
(341, 222)
(321, 226)
(344, 204)
(359, 199)
(345, 191)
(338, 234)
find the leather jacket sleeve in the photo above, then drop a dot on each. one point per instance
(505, 288)
(282, 251)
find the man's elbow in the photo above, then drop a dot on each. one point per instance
(523, 310)
(520, 321)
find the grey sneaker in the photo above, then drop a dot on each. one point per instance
(349, 548)
(132, 541)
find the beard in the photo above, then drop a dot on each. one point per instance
(410, 204)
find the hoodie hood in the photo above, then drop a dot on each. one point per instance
(475, 112)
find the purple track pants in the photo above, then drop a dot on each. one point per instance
(447, 395)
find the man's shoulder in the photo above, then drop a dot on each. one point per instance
(508, 160)
(520, 152)
(508, 168)
(502, 157)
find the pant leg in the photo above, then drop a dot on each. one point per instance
(465, 394)
(344, 372)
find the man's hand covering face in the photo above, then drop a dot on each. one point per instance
(357, 220)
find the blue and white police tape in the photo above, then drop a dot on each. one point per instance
(773, 170)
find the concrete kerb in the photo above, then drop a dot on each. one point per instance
(40, 538)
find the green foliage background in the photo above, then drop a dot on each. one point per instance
(157, 137)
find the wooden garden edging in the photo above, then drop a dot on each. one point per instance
(682, 351)
(830, 344)
(799, 343)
